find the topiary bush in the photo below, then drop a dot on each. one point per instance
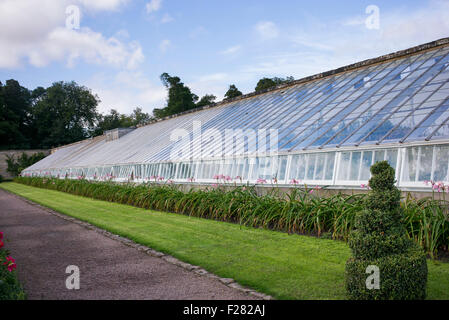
(380, 239)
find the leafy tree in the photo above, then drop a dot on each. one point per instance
(65, 113)
(264, 84)
(380, 241)
(180, 98)
(139, 117)
(267, 83)
(232, 92)
(14, 115)
(108, 122)
(208, 99)
(117, 120)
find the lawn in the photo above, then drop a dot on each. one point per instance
(284, 266)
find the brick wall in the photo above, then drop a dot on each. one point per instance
(16, 153)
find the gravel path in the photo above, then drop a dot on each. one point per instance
(44, 245)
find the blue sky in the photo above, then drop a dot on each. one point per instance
(122, 46)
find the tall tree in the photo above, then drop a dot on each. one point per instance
(15, 102)
(180, 98)
(117, 120)
(267, 83)
(232, 92)
(66, 113)
(208, 99)
(139, 117)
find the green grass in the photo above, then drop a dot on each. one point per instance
(284, 266)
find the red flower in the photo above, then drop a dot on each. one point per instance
(10, 263)
(1, 244)
(1, 235)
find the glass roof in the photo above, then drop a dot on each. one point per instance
(399, 100)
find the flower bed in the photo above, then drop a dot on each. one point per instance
(10, 288)
(300, 212)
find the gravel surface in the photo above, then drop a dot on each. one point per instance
(44, 245)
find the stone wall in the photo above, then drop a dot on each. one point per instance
(16, 153)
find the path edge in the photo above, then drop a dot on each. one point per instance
(229, 282)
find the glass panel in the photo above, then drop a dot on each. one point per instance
(441, 163)
(425, 163)
(355, 166)
(366, 165)
(330, 161)
(319, 168)
(379, 155)
(343, 172)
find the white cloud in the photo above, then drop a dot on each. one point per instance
(267, 29)
(126, 90)
(167, 18)
(102, 4)
(39, 36)
(153, 6)
(231, 50)
(164, 45)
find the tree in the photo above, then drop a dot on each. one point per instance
(117, 120)
(208, 99)
(15, 102)
(264, 84)
(232, 92)
(108, 122)
(139, 117)
(180, 98)
(380, 245)
(65, 113)
(267, 83)
(16, 165)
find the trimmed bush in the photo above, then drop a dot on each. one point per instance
(380, 239)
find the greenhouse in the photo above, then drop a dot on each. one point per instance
(325, 130)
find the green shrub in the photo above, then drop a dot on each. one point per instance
(17, 164)
(10, 288)
(380, 239)
(1, 178)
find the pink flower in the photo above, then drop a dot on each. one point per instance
(161, 178)
(1, 235)
(10, 263)
(214, 185)
(216, 177)
(1, 244)
(261, 181)
(311, 191)
(228, 178)
(238, 178)
(294, 181)
(170, 181)
(244, 188)
(191, 179)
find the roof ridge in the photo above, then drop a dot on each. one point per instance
(321, 75)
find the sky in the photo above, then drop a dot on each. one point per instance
(119, 48)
